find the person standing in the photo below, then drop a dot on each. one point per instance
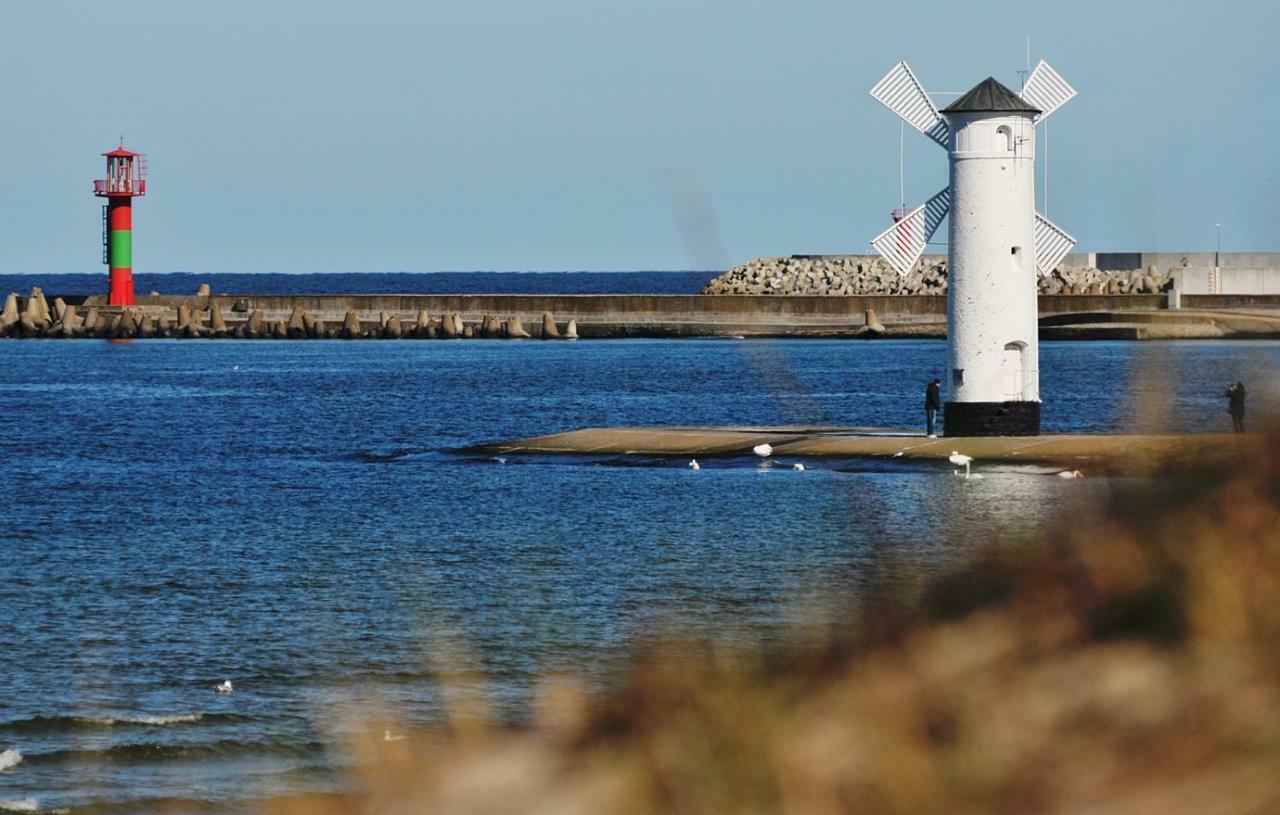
(1235, 405)
(932, 404)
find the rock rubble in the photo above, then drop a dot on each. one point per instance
(867, 276)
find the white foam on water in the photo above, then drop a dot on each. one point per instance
(28, 804)
(143, 718)
(9, 759)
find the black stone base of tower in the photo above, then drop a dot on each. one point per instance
(991, 419)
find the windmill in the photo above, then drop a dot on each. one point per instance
(997, 241)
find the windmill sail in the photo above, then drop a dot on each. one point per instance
(1046, 90)
(1052, 244)
(903, 243)
(902, 93)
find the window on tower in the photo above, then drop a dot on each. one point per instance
(1007, 133)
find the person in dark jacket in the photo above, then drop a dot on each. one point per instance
(1235, 405)
(932, 404)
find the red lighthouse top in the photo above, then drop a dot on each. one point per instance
(126, 174)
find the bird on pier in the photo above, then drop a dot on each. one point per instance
(693, 464)
(960, 460)
(763, 450)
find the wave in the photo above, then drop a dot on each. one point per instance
(62, 724)
(145, 751)
(28, 804)
(9, 759)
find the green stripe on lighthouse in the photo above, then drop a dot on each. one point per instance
(121, 256)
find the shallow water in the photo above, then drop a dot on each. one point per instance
(293, 517)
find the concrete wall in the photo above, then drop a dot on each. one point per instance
(1242, 281)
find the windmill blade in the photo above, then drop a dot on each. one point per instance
(903, 243)
(1046, 90)
(902, 93)
(1052, 244)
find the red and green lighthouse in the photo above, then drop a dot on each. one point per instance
(126, 179)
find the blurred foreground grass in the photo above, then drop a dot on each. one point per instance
(1129, 664)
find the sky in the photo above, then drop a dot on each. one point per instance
(388, 135)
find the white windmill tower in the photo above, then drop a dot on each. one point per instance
(997, 242)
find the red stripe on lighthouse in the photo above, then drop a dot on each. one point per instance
(121, 216)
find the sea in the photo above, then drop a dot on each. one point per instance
(305, 520)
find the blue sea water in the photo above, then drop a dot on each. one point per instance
(374, 283)
(296, 517)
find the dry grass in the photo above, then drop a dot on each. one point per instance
(1131, 664)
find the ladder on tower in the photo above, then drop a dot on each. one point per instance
(105, 235)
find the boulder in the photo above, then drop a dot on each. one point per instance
(33, 312)
(280, 330)
(70, 323)
(448, 328)
(28, 327)
(571, 330)
(128, 325)
(393, 330)
(10, 316)
(514, 328)
(42, 306)
(490, 327)
(92, 323)
(216, 322)
(147, 327)
(468, 331)
(184, 317)
(383, 318)
(311, 325)
(350, 326)
(873, 322)
(164, 328)
(296, 327)
(256, 325)
(203, 290)
(549, 329)
(59, 309)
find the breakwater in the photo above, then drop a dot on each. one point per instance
(870, 274)
(419, 316)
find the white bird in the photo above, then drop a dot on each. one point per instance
(960, 460)
(763, 450)
(388, 736)
(693, 464)
(899, 454)
(235, 367)
(1070, 474)
(225, 687)
(798, 467)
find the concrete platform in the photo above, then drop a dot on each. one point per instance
(1087, 453)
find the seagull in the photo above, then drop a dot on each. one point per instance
(225, 687)
(693, 464)
(1070, 474)
(763, 450)
(960, 460)
(899, 454)
(798, 467)
(235, 367)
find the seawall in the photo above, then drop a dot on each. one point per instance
(1095, 316)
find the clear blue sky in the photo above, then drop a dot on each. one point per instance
(390, 135)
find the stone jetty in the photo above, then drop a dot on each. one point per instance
(203, 316)
(864, 275)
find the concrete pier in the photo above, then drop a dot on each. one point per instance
(1090, 454)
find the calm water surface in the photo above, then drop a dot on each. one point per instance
(293, 517)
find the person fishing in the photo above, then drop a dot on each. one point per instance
(1235, 405)
(932, 404)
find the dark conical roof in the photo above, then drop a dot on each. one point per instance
(989, 96)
